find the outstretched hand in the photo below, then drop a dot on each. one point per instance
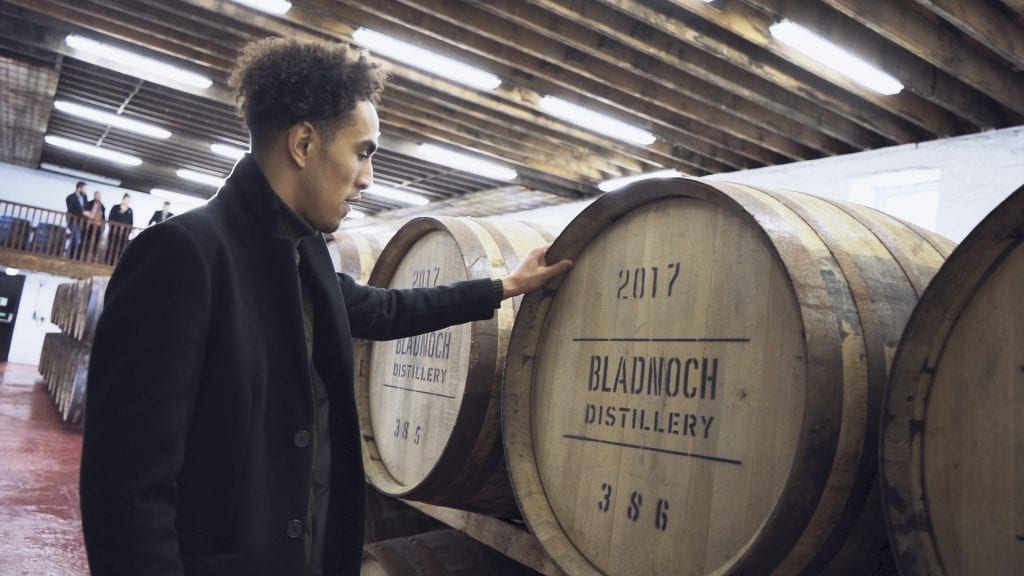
(532, 273)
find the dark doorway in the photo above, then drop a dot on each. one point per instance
(10, 296)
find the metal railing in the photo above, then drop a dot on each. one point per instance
(61, 235)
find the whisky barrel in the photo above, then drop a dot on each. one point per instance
(354, 252)
(439, 553)
(953, 434)
(429, 405)
(701, 393)
(388, 518)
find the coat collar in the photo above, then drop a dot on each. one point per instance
(247, 190)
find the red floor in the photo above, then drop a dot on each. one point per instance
(40, 524)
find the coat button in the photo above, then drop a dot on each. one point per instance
(294, 529)
(302, 438)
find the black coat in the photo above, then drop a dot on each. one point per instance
(76, 203)
(199, 383)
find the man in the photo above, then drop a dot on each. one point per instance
(95, 216)
(117, 239)
(222, 436)
(161, 215)
(76, 202)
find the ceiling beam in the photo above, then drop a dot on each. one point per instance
(901, 23)
(914, 73)
(984, 23)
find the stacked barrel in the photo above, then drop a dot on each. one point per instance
(706, 391)
(64, 361)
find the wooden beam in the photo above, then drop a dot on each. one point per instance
(73, 15)
(986, 24)
(529, 140)
(503, 536)
(610, 86)
(619, 153)
(916, 75)
(581, 50)
(901, 23)
(753, 27)
(705, 51)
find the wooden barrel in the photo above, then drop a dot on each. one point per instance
(388, 518)
(64, 365)
(49, 239)
(354, 252)
(953, 434)
(701, 393)
(439, 553)
(429, 405)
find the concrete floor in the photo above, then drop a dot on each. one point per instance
(40, 522)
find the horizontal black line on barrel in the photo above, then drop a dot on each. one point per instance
(662, 450)
(661, 339)
(419, 391)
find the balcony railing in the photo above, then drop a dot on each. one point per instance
(56, 234)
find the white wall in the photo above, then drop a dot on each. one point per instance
(33, 319)
(945, 185)
(48, 190)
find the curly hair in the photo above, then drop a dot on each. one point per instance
(280, 82)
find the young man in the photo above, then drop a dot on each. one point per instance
(76, 202)
(161, 215)
(221, 434)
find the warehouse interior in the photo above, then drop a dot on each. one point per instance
(534, 111)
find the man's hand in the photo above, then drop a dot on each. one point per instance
(532, 273)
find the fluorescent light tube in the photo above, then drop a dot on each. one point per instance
(827, 53)
(79, 174)
(409, 55)
(92, 150)
(227, 151)
(186, 199)
(200, 177)
(465, 162)
(143, 64)
(399, 195)
(596, 121)
(110, 119)
(616, 183)
(272, 6)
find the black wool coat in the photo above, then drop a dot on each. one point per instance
(199, 389)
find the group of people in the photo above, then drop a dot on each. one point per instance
(86, 219)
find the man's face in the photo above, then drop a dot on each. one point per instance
(82, 191)
(336, 174)
(127, 200)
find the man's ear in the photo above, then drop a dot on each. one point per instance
(301, 137)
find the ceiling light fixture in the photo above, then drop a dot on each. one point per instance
(180, 198)
(141, 64)
(410, 55)
(226, 151)
(277, 7)
(836, 58)
(110, 119)
(398, 195)
(616, 183)
(79, 174)
(200, 177)
(465, 162)
(596, 121)
(93, 150)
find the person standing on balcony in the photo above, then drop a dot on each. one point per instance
(76, 202)
(118, 238)
(95, 215)
(161, 215)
